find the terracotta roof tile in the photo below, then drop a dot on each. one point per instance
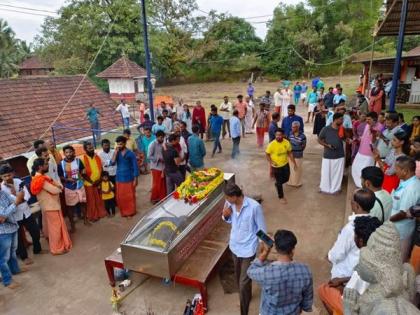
(415, 52)
(29, 105)
(123, 68)
(34, 63)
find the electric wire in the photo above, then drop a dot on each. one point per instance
(79, 85)
(26, 8)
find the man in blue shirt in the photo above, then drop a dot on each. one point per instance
(246, 217)
(8, 238)
(405, 196)
(339, 96)
(312, 103)
(159, 126)
(126, 178)
(92, 115)
(329, 98)
(235, 132)
(286, 124)
(275, 118)
(286, 285)
(250, 90)
(196, 149)
(216, 123)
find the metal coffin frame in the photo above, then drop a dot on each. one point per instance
(165, 264)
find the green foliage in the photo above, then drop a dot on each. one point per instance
(302, 39)
(72, 40)
(12, 51)
(229, 45)
(320, 31)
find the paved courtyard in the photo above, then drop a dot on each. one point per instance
(76, 283)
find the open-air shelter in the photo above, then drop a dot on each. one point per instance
(402, 17)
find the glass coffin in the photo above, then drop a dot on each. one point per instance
(169, 233)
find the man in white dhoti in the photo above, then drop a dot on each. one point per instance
(286, 99)
(364, 156)
(333, 159)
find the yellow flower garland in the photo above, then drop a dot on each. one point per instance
(192, 191)
(160, 243)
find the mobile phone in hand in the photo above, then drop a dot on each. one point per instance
(21, 186)
(265, 238)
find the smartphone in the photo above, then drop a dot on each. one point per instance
(21, 186)
(265, 238)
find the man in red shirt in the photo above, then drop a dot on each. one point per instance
(241, 107)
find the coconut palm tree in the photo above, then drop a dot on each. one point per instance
(12, 50)
(6, 34)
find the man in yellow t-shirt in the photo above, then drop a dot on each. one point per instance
(279, 152)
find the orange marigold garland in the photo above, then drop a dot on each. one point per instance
(199, 184)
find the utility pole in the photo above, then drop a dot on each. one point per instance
(148, 66)
(397, 64)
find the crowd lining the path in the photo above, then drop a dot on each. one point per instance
(383, 151)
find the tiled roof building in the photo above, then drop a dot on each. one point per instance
(126, 79)
(29, 105)
(123, 68)
(34, 66)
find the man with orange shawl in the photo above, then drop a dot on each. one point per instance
(95, 208)
(126, 179)
(48, 192)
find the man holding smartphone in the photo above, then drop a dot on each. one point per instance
(286, 286)
(14, 186)
(246, 217)
(8, 238)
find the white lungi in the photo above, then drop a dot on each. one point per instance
(284, 111)
(360, 162)
(332, 171)
(311, 107)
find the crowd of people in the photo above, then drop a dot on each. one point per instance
(383, 151)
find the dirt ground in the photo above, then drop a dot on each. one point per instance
(76, 283)
(213, 92)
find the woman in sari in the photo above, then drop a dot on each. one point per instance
(186, 117)
(400, 146)
(298, 141)
(376, 98)
(358, 128)
(48, 192)
(250, 111)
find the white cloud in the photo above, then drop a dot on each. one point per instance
(27, 26)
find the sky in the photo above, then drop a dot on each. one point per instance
(27, 26)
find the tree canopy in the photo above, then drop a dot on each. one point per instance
(12, 50)
(188, 44)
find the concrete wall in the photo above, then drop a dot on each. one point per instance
(121, 86)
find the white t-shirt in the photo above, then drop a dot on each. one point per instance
(179, 109)
(106, 162)
(344, 255)
(277, 99)
(167, 122)
(228, 106)
(285, 97)
(123, 109)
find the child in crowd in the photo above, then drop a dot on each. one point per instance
(107, 192)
